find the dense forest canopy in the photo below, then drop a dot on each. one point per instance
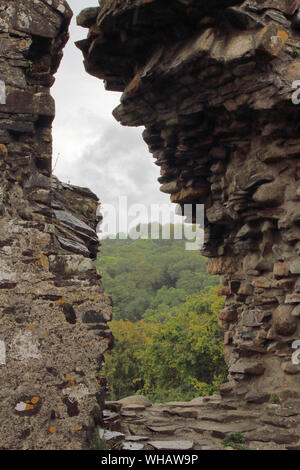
(146, 278)
(168, 344)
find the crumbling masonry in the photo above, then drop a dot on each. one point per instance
(53, 312)
(212, 83)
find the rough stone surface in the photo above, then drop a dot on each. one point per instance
(263, 427)
(135, 400)
(213, 86)
(51, 393)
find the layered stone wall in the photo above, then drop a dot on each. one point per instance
(212, 83)
(53, 311)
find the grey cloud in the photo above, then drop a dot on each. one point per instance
(94, 150)
(119, 164)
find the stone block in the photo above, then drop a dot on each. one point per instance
(37, 19)
(281, 269)
(285, 6)
(87, 17)
(247, 367)
(295, 267)
(70, 264)
(283, 321)
(271, 39)
(269, 194)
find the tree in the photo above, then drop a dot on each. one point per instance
(185, 356)
(123, 364)
(179, 358)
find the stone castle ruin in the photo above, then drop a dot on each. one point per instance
(53, 311)
(214, 85)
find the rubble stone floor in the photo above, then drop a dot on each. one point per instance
(201, 424)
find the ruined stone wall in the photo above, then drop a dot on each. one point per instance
(212, 84)
(53, 311)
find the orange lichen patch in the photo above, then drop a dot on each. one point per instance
(83, 344)
(22, 44)
(96, 297)
(30, 327)
(61, 300)
(283, 35)
(36, 240)
(57, 411)
(78, 427)
(34, 400)
(52, 430)
(3, 150)
(262, 31)
(29, 407)
(71, 380)
(43, 260)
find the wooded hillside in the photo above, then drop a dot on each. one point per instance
(168, 344)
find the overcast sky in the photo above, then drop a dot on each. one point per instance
(90, 148)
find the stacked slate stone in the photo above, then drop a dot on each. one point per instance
(53, 311)
(204, 423)
(212, 83)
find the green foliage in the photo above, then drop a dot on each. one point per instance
(295, 52)
(81, 208)
(235, 440)
(274, 399)
(29, 65)
(185, 356)
(97, 443)
(148, 278)
(177, 359)
(168, 344)
(123, 364)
